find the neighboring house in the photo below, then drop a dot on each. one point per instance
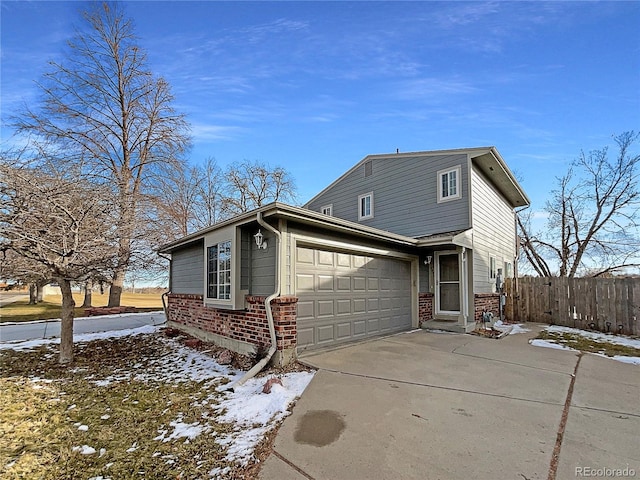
(399, 241)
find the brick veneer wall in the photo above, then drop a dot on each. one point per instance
(425, 307)
(248, 325)
(489, 302)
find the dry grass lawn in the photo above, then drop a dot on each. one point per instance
(133, 407)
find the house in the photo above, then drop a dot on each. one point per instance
(400, 241)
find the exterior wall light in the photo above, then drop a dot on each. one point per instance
(261, 243)
(427, 260)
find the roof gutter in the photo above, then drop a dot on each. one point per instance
(267, 306)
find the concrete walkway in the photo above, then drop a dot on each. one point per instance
(439, 406)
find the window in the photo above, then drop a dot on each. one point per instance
(365, 206)
(219, 271)
(449, 185)
(327, 210)
(492, 267)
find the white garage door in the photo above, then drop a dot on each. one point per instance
(344, 296)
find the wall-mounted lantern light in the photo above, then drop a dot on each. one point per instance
(261, 243)
(427, 260)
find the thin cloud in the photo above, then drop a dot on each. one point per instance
(206, 133)
(433, 89)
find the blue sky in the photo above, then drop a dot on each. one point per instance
(316, 86)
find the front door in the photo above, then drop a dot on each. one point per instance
(448, 283)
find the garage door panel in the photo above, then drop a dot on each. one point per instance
(373, 305)
(373, 325)
(325, 308)
(341, 297)
(359, 305)
(306, 309)
(343, 330)
(325, 283)
(304, 283)
(359, 328)
(305, 336)
(305, 255)
(385, 304)
(343, 307)
(343, 284)
(325, 258)
(359, 284)
(343, 260)
(325, 333)
(359, 261)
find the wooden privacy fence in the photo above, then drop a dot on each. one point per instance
(604, 304)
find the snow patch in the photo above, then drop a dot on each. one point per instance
(255, 413)
(515, 328)
(597, 336)
(84, 450)
(84, 337)
(548, 344)
(181, 430)
(594, 336)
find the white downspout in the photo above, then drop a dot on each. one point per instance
(465, 288)
(267, 306)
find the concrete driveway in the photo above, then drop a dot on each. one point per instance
(424, 405)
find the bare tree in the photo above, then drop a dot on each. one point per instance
(593, 216)
(25, 271)
(53, 219)
(210, 201)
(189, 199)
(103, 105)
(250, 185)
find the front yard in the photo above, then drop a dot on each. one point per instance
(140, 405)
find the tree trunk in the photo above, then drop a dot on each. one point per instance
(88, 288)
(115, 291)
(33, 296)
(39, 291)
(66, 324)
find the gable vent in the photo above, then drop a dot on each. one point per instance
(368, 168)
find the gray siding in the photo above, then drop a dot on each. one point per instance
(187, 269)
(404, 195)
(424, 272)
(494, 232)
(245, 260)
(263, 265)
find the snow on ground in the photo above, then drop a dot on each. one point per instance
(511, 328)
(550, 344)
(84, 337)
(252, 412)
(594, 336)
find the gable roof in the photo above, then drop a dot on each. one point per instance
(298, 214)
(487, 159)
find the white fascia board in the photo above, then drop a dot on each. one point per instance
(462, 239)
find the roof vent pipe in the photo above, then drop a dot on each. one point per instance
(267, 306)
